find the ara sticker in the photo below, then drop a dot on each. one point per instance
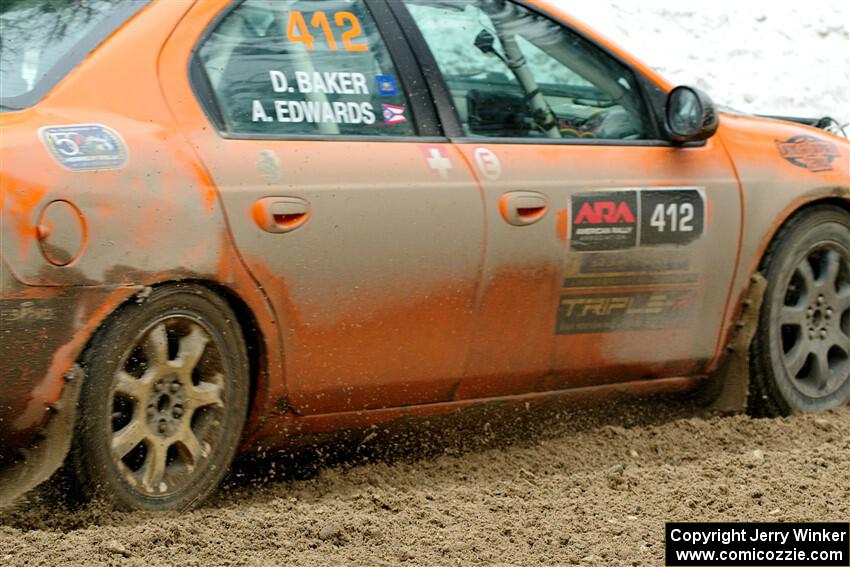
(808, 152)
(85, 147)
(604, 220)
(387, 85)
(394, 114)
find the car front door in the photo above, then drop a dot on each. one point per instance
(610, 252)
(362, 225)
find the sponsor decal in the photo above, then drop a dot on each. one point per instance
(671, 216)
(26, 312)
(808, 152)
(633, 263)
(618, 312)
(437, 160)
(394, 114)
(488, 163)
(604, 221)
(617, 220)
(85, 147)
(631, 280)
(387, 85)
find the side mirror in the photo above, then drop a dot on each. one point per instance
(691, 115)
(486, 43)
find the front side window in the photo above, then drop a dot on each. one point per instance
(514, 73)
(320, 67)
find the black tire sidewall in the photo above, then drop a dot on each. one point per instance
(813, 228)
(95, 466)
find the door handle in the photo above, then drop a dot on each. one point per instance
(522, 208)
(280, 214)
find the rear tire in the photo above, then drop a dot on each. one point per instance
(163, 403)
(801, 351)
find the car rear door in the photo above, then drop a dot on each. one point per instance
(610, 252)
(362, 224)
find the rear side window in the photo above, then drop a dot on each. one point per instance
(42, 40)
(304, 67)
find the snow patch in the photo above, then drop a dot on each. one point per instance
(758, 56)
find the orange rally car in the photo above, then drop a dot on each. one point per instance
(228, 224)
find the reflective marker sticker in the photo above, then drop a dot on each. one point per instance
(437, 160)
(387, 85)
(85, 147)
(394, 114)
(488, 163)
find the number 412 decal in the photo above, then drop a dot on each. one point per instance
(672, 216)
(297, 30)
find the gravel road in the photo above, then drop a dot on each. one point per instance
(550, 486)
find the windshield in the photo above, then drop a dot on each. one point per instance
(42, 40)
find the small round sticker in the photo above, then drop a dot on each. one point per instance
(488, 163)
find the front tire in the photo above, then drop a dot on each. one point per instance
(163, 403)
(801, 352)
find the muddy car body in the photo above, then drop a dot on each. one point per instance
(409, 251)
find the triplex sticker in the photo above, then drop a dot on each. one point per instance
(808, 152)
(626, 311)
(616, 220)
(85, 147)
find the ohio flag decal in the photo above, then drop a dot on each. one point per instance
(394, 114)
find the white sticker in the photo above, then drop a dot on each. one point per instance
(438, 162)
(488, 163)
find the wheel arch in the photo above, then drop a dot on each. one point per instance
(839, 199)
(253, 336)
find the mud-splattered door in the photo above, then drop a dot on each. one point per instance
(366, 235)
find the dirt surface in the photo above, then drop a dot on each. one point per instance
(507, 487)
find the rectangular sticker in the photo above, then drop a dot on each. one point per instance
(627, 311)
(629, 218)
(634, 263)
(604, 220)
(85, 147)
(673, 216)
